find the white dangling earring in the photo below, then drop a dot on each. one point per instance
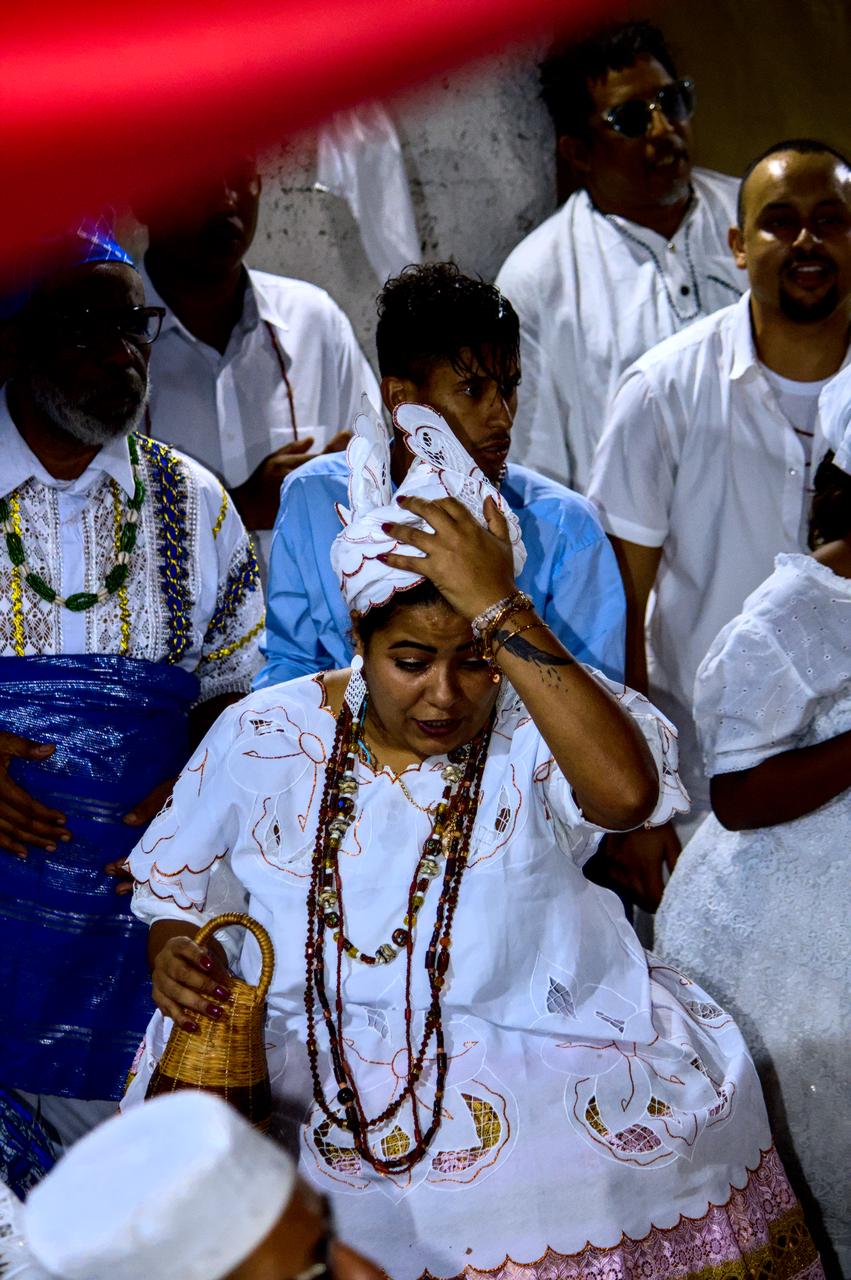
(356, 689)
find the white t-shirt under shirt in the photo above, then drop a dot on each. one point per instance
(799, 404)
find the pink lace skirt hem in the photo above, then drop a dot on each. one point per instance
(759, 1234)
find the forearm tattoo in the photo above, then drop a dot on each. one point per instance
(526, 651)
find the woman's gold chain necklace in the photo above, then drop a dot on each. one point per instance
(369, 757)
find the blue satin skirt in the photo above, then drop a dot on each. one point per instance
(74, 981)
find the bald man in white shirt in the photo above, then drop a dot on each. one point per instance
(702, 474)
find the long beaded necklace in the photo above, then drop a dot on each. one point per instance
(449, 838)
(695, 284)
(125, 541)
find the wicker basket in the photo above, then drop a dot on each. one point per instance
(226, 1056)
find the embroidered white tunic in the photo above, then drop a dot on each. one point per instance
(205, 612)
(590, 1092)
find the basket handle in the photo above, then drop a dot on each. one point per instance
(267, 951)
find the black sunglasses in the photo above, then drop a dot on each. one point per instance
(632, 119)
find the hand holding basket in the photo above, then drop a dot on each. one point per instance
(227, 1056)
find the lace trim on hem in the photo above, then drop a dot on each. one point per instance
(758, 1234)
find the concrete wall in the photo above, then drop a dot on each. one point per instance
(478, 150)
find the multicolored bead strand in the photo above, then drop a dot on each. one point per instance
(19, 640)
(451, 832)
(123, 603)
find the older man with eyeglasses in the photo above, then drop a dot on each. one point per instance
(130, 608)
(635, 255)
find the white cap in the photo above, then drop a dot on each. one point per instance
(180, 1188)
(442, 468)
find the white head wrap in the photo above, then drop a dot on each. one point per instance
(835, 417)
(442, 468)
(181, 1188)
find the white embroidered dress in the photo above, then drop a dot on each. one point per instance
(762, 916)
(590, 1092)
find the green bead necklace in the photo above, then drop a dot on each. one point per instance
(79, 601)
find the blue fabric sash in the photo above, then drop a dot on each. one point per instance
(74, 982)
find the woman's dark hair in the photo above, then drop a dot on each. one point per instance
(380, 616)
(830, 510)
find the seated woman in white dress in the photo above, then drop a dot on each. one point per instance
(485, 1070)
(758, 906)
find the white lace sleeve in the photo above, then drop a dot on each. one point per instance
(181, 865)
(576, 834)
(751, 702)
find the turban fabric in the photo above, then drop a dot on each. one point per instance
(441, 469)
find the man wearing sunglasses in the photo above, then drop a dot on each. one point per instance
(130, 608)
(636, 254)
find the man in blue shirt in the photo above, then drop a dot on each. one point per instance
(452, 343)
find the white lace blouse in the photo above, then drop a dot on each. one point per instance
(779, 675)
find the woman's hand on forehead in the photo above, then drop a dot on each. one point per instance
(471, 566)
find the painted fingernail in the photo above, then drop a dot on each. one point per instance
(221, 992)
(382, 558)
(50, 848)
(386, 527)
(65, 837)
(214, 1011)
(206, 963)
(191, 1026)
(401, 500)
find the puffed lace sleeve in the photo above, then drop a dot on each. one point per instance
(576, 835)
(181, 865)
(751, 701)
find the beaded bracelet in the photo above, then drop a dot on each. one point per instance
(518, 603)
(494, 614)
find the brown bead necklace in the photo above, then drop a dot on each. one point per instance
(450, 836)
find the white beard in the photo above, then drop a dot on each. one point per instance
(74, 418)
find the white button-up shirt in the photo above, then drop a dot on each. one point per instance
(698, 458)
(231, 411)
(594, 292)
(68, 528)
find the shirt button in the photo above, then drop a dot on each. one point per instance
(672, 248)
(793, 471)
(685, 290)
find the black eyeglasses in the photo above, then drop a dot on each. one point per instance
(633, 119)
(88, 327)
